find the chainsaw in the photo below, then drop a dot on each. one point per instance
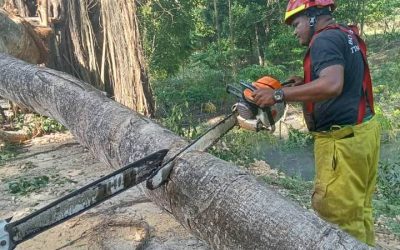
(153, 169)
(250, 116)
(245, 112)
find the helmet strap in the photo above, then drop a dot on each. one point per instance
(313, 22)
(313, 13)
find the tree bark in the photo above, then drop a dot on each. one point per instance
(43, 11)
(100, 43)
(215, 200)
(127, 69)
(14, 136)
(259, 49)
(16, 39)
(216, 20)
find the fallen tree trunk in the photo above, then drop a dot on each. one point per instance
(216, 201)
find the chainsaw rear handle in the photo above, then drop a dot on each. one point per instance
(248, 85)
(288, 82)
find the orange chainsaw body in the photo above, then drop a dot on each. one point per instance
(252, 117)
(264, 82)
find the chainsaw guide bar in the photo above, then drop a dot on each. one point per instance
(149, 168)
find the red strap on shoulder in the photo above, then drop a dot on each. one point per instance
(309, 106)
(367, 82)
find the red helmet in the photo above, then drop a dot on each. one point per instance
(296, 6)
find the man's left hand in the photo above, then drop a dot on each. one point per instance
(264, 97)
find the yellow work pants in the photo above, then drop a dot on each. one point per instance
(346, 162)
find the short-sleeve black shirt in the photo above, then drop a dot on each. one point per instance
(333, 47)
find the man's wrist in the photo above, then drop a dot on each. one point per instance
(279, 95)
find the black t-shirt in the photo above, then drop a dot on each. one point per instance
(333, 47)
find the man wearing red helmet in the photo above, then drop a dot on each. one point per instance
(338, 108)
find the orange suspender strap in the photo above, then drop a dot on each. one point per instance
(367, 82)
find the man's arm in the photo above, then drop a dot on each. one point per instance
(328, 85)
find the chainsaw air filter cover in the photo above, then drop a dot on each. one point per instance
(246, 110)
(264, 82)
(277, 110)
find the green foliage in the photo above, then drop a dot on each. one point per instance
(195, 91)
(24, 186)
(385, 70)
(366, 11)
(220, 55)
(388, 215)
(196, 85)
(37, 124)
(385, 122)
(297, 139)
(180, 121)
(387, 198)
(51, 126)
(240, 146)
(295, 188)
(254, 72)
(285, 49)
(167, 28)
(8, 152)
(389, 180)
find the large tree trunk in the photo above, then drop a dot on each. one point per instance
(98, 41)
(100, 44)
(125, 55)
(215, 200)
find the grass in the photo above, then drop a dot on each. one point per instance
(385, 69)
(293, 188)
(37, 125)
(8, 152)
(25, 185)
(387, 197)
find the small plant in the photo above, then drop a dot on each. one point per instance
(298, 139)
(8, 151)
(50, 125)
(24, 186)
(209, 107)
(180, 121)
(37, 125)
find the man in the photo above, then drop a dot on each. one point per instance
(339, 110)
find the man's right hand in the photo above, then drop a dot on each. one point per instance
(298, 80)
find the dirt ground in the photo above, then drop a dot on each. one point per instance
(127, 221)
